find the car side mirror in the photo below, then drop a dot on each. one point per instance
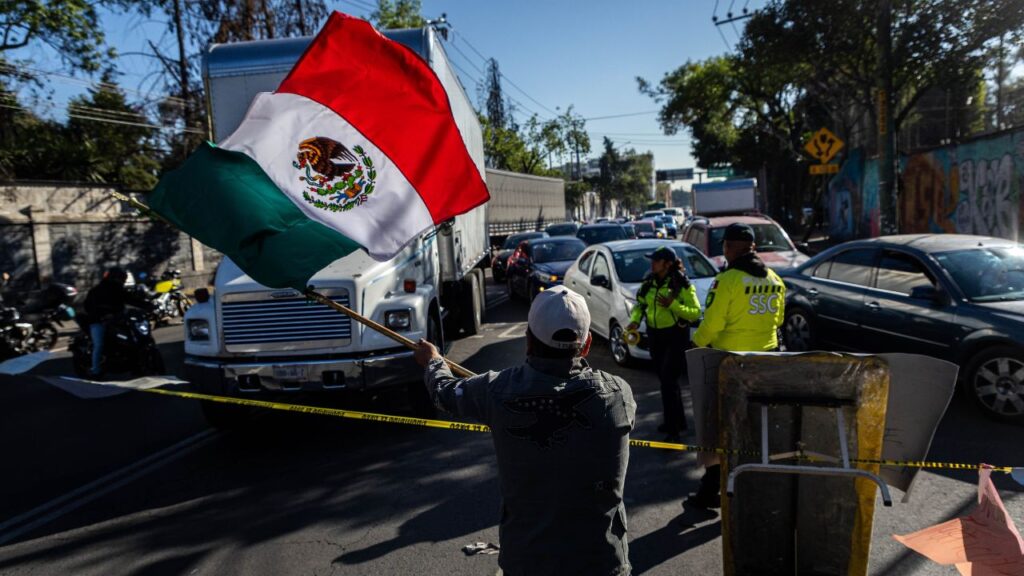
(600, 280)
(928, 293)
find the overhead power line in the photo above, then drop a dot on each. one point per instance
(91, 83)
(622, 115)
(162, 127)
(485, 60)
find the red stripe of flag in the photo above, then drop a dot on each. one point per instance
(395, 100)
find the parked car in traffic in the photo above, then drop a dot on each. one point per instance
(563, 229)
(659, 227)
(499, 262)
(540, 264)
(954, 297)
(773, 244)
(597, 233)
(671, 229)
(608, 276)
(676, 214)
(645, 229)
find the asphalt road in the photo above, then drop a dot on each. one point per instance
(137, 484)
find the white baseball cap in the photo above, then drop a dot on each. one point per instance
(557, 309)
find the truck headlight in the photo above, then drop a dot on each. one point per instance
(198, 330)
(398, 319)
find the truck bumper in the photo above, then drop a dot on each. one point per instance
(230, 376)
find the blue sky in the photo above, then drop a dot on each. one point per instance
(557, 53)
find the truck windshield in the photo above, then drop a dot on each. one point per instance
(767, 237)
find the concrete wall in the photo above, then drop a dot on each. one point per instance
(72, 233)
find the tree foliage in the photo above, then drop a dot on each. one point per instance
(69, 27)
(803, 64)
(626, 177)
(398, 14)
(104, 141)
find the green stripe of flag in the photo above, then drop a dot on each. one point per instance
(226, 201)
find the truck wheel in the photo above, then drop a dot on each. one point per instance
(482, 287)
(472, 315)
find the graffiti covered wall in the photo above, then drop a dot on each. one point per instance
(970, 188)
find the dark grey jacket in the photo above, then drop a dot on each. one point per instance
(561, 434)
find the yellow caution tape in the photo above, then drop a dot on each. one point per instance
(470, 427)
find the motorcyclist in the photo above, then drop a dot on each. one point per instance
(104, 302)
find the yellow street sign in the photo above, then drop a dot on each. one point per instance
(824, 145)
(819, 169)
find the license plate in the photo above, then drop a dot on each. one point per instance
(291, 373)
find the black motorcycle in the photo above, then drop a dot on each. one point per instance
(16, 335)
(54, 310)
(128, 347)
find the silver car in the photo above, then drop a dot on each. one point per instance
(608, 277)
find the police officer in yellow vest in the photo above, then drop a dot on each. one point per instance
(742, 313)
(667, 302)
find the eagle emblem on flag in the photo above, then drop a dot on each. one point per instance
(336, 178)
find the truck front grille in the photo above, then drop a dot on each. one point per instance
(253, 323)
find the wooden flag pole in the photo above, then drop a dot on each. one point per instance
(456, 369)
(314, 295)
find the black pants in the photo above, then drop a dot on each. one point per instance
(711, 482)
(668, 351)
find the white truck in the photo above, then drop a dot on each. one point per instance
(728, 197)
(250, 340)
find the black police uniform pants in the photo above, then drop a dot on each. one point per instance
(711, 482)
(668, 352)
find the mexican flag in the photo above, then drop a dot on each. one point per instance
(357, 149)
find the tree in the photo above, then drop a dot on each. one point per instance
(68, 27)
(109, 146)
(802, 64)
(398, 14)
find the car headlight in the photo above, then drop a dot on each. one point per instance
(398, 319)
(545, 276)
(142, 326)
(198, 330)
(660, 234)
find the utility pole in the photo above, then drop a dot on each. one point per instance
(887, 180)
(186, 93)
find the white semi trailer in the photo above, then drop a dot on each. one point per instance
(250, 340)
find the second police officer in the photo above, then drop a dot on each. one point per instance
(667, 302)
(743, 312)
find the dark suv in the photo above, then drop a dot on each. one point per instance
(954, 297)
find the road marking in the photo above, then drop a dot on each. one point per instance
(83, 495)
(518, 327)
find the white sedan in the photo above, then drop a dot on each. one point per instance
(608, 276)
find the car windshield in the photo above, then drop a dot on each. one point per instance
(631, 265)
(602, 234)
(987, 274)
(562, 230)
(767, 237)
(557, 251)
(515, 239)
